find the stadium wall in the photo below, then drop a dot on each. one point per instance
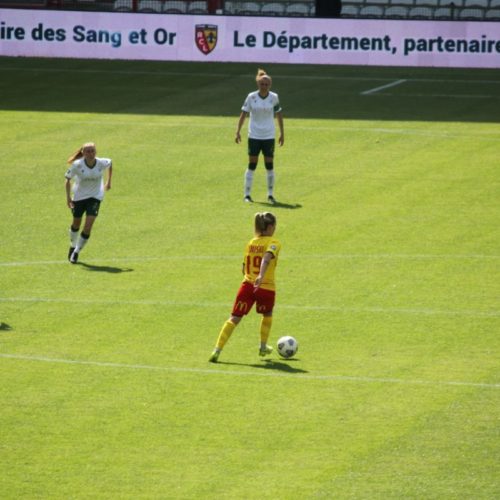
(206, 38)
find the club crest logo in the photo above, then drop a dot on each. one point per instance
(206, 37)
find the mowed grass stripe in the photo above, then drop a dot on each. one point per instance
(245, 76)
(289, 257)
(239, 373)
(293, 124)
(338, 309)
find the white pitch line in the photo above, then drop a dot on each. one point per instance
(339, 256)
(118, 259)
(382, 87)
(319, 308)
(437, 134)
(451, 96)
(395, 256)
(237, 373)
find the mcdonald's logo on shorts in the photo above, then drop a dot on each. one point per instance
(241, 306)
(261, 308)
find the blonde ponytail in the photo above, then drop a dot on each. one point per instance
(261, 73)
(79, 152)
(263, 220)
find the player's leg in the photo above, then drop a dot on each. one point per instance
(73, 234)
(92, 209)
(82, 241)
(249, 173)
(78, 210)
(265, 304)
(265, 329)
(268, 150)
(226, 332)
(242, 306)
(253, 158)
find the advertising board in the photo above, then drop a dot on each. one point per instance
(164, 37)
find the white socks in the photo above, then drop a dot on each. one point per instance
(73, 237)
(270, 182)
(248, 181)
(81, 243)
(77, 242)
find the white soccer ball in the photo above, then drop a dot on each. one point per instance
(287, 347)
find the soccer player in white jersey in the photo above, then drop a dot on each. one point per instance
(262, 106)
(87, 172)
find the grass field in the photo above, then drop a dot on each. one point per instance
(388, 277)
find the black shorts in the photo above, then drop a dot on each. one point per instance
(255, 146)
(89, 206)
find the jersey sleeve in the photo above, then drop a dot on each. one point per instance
(105, 163)
(274, 247)
(277, 105)
(246, 105)
(71, 172)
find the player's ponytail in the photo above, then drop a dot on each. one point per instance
(263, 220)
(261, 73)
(75, 156)
(79, 152)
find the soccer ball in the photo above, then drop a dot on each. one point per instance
(287, 347)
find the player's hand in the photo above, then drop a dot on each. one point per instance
(281, 140)
(70, 203)
(257, 283)
(237, 139)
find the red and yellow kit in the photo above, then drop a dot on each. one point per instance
(254, 252)
(264, 296)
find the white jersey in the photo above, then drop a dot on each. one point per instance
(262, 111)
(89, 182)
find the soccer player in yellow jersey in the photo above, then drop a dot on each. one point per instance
(258, 287)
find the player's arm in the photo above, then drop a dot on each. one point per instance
(69, 201)
(110, 174)
(241, 121)
(268, 257)
(279, 117)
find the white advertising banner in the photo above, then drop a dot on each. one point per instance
(164, 37)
